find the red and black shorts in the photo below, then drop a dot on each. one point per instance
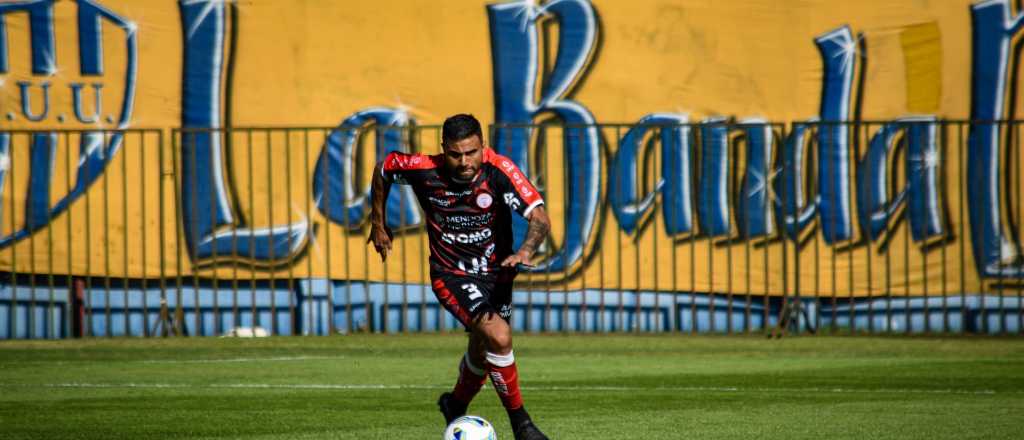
(467, 296)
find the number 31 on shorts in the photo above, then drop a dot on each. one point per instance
(474, 292)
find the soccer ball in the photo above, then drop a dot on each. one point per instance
(470, 428)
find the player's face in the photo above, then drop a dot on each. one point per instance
(462, 158)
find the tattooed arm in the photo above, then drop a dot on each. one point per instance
(540, 224)
(380, 233)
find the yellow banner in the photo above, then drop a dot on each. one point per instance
(757, 146)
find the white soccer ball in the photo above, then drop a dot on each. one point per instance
(470, 428)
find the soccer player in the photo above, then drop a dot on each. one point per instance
(468, 193)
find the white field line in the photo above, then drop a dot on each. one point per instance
(811, 390)
(216, 361)
(186, 361)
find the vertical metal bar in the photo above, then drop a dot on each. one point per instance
(143, 210)
(87, 295)
(107, 243)
(728, 234)
(49, 331)
(1020, 216)
(943, 167)
(30, 331)
(126, 135)
(692, 146)
(853, 148)
(328, 225)
(961, 169)
(196, 309)
(656, 311)
(924, 257)
(270, 220)
(179, 205)
(906, 245)
(890, 236)
(982, 292)
(784, 235)
(288, 221)
(13, 312)
(711, 273)
(253, 310)
(769, 172)
(179, 278)
(567, 134)
(214, 276)
(745, 236)
(728, 240)
(999, 282)
(236, 321)
(348, 255)
(835, 223)
(69, 280)
(944, 163)
(620, 313)
(676, 322)
(1011, 129)
(312, 250)
(869, 256)
(796, 262)
(602, 325)
(163, 237)
(583, 273)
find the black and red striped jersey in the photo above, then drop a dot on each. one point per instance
(469, 225)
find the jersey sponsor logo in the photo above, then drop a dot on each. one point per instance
(484, 200)
(440, 202)
(517, 178)
(476, 265)
(511, 201)
(464, 238)
(459, 193)
(464, 221)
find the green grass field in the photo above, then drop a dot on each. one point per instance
(576, 387)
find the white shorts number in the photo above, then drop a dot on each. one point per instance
(474, 292)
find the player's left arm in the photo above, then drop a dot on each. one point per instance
(538, 230)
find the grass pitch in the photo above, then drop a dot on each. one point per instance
(575, 386)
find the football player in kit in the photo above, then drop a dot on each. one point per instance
(468, 193)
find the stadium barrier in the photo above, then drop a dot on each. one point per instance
(911, 226)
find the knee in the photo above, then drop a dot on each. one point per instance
(496, 335)
(500, 342)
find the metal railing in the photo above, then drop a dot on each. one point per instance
(867, 227)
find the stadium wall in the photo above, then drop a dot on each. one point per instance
(774, 151)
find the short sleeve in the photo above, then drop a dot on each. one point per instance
(397, 166)
(517, 192)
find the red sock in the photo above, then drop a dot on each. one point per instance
(505, 378)
(469, 382)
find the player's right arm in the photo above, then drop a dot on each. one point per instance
(380, 233)
(397, 167)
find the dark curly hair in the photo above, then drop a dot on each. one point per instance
(459, 127)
